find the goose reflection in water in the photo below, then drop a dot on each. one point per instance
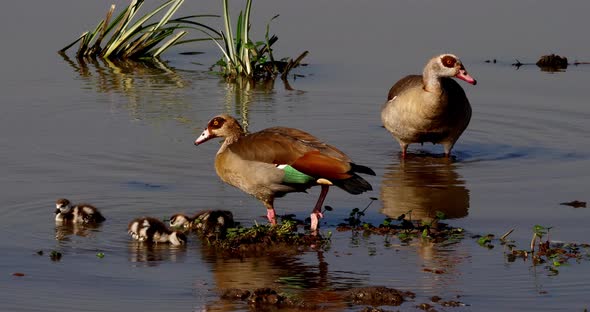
(280, 268)
(421, 186)
(418, 187)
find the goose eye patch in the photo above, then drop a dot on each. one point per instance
(448, 61)
(216, 123)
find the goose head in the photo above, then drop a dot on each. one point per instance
(180, 220)
(62, 205)
(448, 65)
(223, 126)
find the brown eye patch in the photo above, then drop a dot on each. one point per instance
(448, 61)
(216, 123)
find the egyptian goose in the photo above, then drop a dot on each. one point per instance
(152, 230)
(80, 213)
(276, 161)
(431, 107)
(208, 221)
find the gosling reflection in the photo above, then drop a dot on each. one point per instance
(146, 254)
(64, 231)
(421, 186)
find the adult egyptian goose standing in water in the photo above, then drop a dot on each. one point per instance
(276, 161)
(430, 107)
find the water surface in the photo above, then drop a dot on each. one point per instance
(121, 137)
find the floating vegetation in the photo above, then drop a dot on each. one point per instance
(55, 255)
(404, 228)
(244, 58)
(543, 252)
(485, 241)
(100, 255)
(140, 38)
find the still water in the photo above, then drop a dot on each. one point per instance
(121, 137)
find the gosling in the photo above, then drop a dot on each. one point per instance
(81, 213)
(152, 230)
(207, 222)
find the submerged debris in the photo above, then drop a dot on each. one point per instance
(260, 298)
(379, 295)
(575, 204)
(265, 298)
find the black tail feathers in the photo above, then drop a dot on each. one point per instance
(355, 184)
(361, 169)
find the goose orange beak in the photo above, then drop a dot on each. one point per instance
(204, 137)
(463, 75)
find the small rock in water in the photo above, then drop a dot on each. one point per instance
(552, 62)
(377, 296)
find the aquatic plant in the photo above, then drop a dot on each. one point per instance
(140, 38)
(403, 228)
(259, 236)
(55, 255)
(354, 218)
(244, 58)
(551, 255)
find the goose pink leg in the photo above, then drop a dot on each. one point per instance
(270, 213)
(316, 214)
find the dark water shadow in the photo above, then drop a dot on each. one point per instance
(145, 186)
(499, 152)
(421, 185)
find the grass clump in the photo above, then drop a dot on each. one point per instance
(262, 236)
(135, 39)
(244, 58)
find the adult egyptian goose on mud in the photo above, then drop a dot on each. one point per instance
(80, 213)
(430, 107)
(276, 161)
(152, 230)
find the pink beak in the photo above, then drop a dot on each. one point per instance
(463, 75)
(204, 137)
